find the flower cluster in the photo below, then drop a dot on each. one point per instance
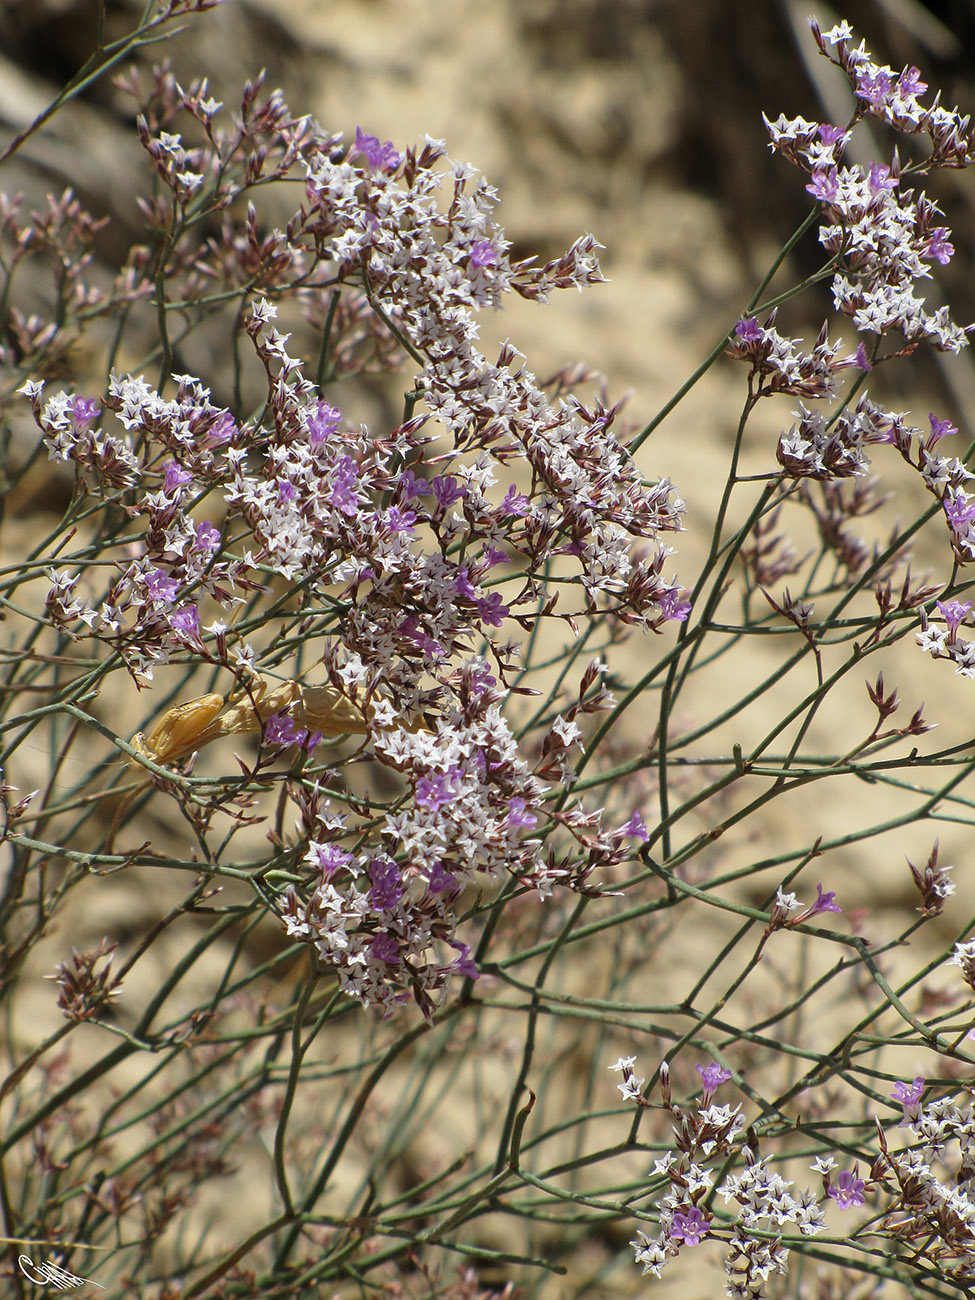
(429, 267)
(933, 1207)
(403, 562)
(893, 98)
(881, 237)
(767, 1204)
(831, 448)
(703, 1137)
(780, 365)
(942, 641)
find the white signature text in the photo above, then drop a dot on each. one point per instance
(49, 1274)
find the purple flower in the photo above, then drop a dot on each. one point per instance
(463, 585)
(387, 887)
(515, 503)
(385, 948)
(441, 881)
(712, 1076)
(343, 495)
(861, 360)
(748, 330)
(939, 429)
(909, 1095)
(874, 85)
(673, 608)
(939, 247)
(411, 629)
(823, 903)
(636, 827)
(464, 964)
(824, 185)
(381, 157)
(222, 429)
(328, 858)
(846, 1189)
(412, 487)
(280, 731)
(85, 410)
(207, 536)
(322, 422)
(399, 521)
(954, 612)
(160, 586)
(517, 815)
(481, 679)
(483, 254)
(689, 1227)
(175, 476)
(959, 511)
(829, 134)
(910, 82)
(492, 609)
(436, 788)
(446, 489)
(185, 621)
(880, 178)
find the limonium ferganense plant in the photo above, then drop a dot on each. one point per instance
(392, 682)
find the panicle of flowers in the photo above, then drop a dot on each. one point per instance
(779, 365)
(403, 550)
(63, 234)
(69, 436)
(379, 917)
(769, 555)
(933, 1208)
(893, 97)
(942, 476)
(702, 1136)
(836, 506)
(882, 237)
(824, 447)
(263, 143)
(428, 267)
(767, 1204)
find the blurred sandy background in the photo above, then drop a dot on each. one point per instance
(638, 120)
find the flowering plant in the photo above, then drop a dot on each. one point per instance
(434, 641)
